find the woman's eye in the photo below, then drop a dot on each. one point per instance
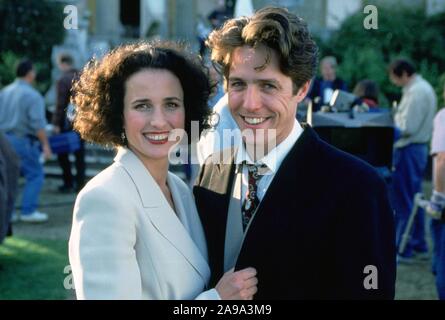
(142, 106)
(172, 105)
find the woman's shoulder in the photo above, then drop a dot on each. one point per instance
(110, 180)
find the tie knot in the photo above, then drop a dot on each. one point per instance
(256, 170)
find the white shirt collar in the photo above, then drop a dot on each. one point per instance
(276, 156)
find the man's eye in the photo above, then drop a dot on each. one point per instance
(236, 84)
(269, 86)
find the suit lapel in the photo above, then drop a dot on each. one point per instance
(287, 186)
(160, 213)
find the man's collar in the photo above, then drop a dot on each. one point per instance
(414, 78)
(276, 156)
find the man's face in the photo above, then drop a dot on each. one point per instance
(328, 71)
(261, 98)
(398, 81)
(32, 75)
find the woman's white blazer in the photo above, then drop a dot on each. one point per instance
(127, 243)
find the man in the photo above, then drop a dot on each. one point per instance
(323, 87)
(22, 118)
(413, 119)
(437, 201)
(61, 123)
(304, 244)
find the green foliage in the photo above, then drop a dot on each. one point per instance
(366, 65)
(401, 32)
(8, 61)
(30, 29)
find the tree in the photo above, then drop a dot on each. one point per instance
(30, 29)
(403, 32)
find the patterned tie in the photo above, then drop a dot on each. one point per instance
(251, 200)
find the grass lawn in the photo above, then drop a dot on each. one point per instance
(33, 269)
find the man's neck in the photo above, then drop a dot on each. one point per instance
(26, 79)
(257, 152)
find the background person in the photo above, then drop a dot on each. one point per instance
(323, 87)
(65, 63)
(9, 176)
(413, 120)
(22, 118)
(437, 200)
(368, 92)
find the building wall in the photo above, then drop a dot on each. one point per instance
(178, 19)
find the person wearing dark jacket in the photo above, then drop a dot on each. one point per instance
(323, 87)
(62, 123)
(9, 176)
(313, 221)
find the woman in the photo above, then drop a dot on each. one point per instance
(136, 233)
(368, 92)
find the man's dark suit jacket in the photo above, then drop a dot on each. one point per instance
(324, 218)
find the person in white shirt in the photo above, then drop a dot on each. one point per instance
(413, 119)
(436, 205)
(311, 219)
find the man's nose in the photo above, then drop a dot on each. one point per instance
(252, 99)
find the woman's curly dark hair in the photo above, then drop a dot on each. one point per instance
(99, 92)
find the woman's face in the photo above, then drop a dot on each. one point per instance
(153, 107)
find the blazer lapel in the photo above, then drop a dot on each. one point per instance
(160, 213)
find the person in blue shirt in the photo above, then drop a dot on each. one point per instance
(22, 118)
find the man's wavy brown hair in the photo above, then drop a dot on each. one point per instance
(99, 92)
(277, 29)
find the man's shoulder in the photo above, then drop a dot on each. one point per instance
(421, 85)
(343, 165)
(32, 93)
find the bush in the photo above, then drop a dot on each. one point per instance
(30, 29)
(8, 61)
(401, 32)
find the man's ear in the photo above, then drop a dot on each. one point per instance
(303, 91)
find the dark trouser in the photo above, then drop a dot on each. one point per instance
(438, 234)
(410, 163)
(9, 175)
(65, 165)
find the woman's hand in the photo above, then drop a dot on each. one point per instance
(240, 285)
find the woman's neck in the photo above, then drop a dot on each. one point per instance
(158, 170)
